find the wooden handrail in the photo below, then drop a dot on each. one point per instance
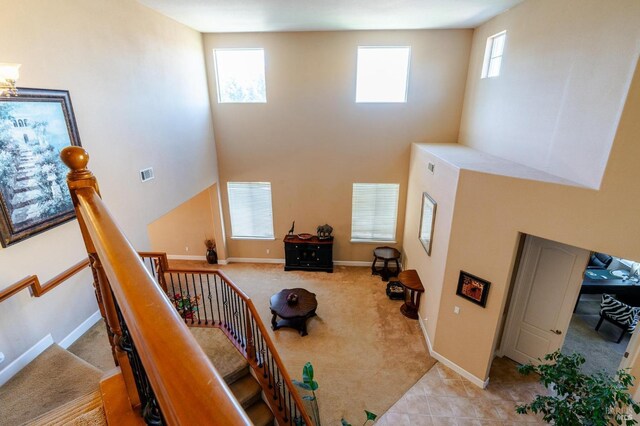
(38, 290)
(188, 388)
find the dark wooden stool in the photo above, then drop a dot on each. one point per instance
(294, 315)
(385, 254)
(411, 282)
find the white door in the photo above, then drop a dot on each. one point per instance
(546, 289)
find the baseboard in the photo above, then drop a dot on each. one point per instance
(269, 260)
(185, 257)
(352, 263)
(80, 330)
(19, 363)
(452, 365)
(253, 260)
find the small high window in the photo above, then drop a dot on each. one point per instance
(493, 55)
(240, 75)
(250, 210)
(374, 212)
(382, 74)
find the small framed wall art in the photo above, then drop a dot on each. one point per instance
(473, 288)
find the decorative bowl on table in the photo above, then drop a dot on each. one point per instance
(305, 236)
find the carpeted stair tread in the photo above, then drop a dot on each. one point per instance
(53, 379)
(259, 414)
(246, 390)
(80, 411)
(223, 355)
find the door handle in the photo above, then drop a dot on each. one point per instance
(558, 332)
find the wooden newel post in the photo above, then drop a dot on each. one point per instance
(80, 178)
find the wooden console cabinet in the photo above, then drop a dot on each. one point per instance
(313, 254)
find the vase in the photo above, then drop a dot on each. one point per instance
(212, 256)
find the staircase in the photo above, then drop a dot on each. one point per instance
(248, 393)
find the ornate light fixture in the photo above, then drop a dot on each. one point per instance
(8, 76)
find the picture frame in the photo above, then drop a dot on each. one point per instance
(35, 126)
(473, 288)
(427, 222)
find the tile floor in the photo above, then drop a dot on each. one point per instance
(443, 397)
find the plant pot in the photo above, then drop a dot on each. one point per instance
(212, 256)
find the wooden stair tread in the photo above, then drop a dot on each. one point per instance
(260, 414)
(67, 413)
(246, 390)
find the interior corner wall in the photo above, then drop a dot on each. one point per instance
(312, 141)
(441, 185)
(182, 231)
(566, 68)
(138, 85)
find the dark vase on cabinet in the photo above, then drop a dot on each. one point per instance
(313, 254)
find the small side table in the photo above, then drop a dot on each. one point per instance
(385, 254)
(411, 282)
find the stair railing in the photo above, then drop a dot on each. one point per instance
(209, 298)
(167, 375)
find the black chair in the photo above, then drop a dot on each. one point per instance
(619, 314)
(599, 261)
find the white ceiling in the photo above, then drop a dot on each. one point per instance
(328, 15)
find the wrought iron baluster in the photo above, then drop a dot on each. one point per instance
(151, 411)
(210, 296)
(215, 284)
(173, 295)
(196, 299)
(204, 302)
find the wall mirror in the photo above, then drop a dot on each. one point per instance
(427, 220)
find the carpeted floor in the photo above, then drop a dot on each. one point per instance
(598, 347)
(52, 379)
(365, 353)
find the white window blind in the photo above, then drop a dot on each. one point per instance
(374, 211)
(250, 209)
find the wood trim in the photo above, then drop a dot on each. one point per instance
(33, 282)
(184, 390)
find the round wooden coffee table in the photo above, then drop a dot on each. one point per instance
(294, 315)
(385, 254)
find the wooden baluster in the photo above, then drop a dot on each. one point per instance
(79, 177)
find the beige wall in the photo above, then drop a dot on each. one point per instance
(441, 186)
(490, 212)
(138, 87)
(182, 231)
(312, 141)
(566, 68)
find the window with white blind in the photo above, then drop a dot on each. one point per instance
(493, 55)
(374, 212)
(250, 210)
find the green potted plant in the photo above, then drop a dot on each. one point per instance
(577, 398)
(185, 305)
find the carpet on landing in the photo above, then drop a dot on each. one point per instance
(93, 347)
(54, 378)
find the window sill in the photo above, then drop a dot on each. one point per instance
(254, 238)
(373, 242)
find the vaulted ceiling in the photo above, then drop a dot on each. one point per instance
(328, 15)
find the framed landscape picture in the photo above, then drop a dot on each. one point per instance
(34, 127)
(473, 288)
